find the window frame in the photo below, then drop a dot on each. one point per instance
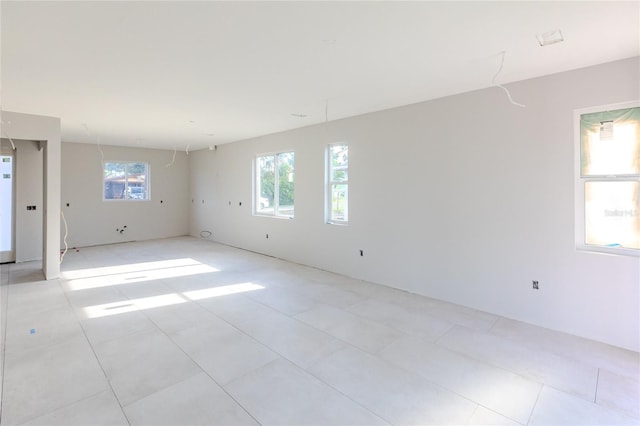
(329, 182)
(580, 183)
(276, 189)
(147, 183)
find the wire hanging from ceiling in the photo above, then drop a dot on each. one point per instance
(13, 145)
(330, 43)
(86, 128)
(173, 160)
(495, 77)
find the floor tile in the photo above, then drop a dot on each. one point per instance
(392, 393)
(142, 363)
(224, 353)
(619, 392)
(287, 301)
(81, 299)
(178, 317)
(294, 340)
(97, 410)
(394, 316)
(535, 364)
(456, 314)
(506, 393)
(143, 289)
(282, 394)
(29, 298)
(114, 326)
(236, 308)
(37, 382)
(197, 400)
(485, 417)
(299, 345)
(37, 330)
(364, 334)
(558, 408)
(596, 354)
(324, 289)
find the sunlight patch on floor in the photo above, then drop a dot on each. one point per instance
(83, 279)
(121, 307)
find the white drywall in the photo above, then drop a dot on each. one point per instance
(29, 192)
(46, 129)
(466, 199)
(93, 221)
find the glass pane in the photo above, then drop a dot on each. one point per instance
(340, 175)
(339, 155)
(286, 184)
(265, 185)
(610, 143)
(612, 214)
(6, 204)
(339, 202)
(114, 181)
(137, 181)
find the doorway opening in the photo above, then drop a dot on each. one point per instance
(7, 204)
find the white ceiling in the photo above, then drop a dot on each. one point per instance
(178, 74)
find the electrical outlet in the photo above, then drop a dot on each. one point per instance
(535, 285)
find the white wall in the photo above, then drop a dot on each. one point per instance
(466, 199)
(46, 129)
(29, 192)
(92, 221)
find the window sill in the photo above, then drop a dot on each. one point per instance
(618, 251)
(273, 216)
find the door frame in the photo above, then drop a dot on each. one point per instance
(6, 150)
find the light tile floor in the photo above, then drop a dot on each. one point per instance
(184, 331)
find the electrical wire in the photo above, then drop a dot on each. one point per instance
(493, 81)
(66, 234)
(86, 128)
(13, 145)
(101, 151)
(173, 160)
(187, 150)
(326, 111)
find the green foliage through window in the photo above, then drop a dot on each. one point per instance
(275, 191)
(338, 184)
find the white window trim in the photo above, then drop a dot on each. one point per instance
(129, 200)
(579, 209)
(329, 184)
(256, 176)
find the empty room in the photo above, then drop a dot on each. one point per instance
(320, 213)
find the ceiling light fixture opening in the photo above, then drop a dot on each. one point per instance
(550, 37)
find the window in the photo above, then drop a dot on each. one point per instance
(608, 183)
(126, 181)
(274, 195)
(337, 184)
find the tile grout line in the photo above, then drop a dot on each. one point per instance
(283, 357)
(84, 333)
(197, 364)
(595, 395)
(306, 369)
(3, 333)
(439, 340)
(535, 404)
